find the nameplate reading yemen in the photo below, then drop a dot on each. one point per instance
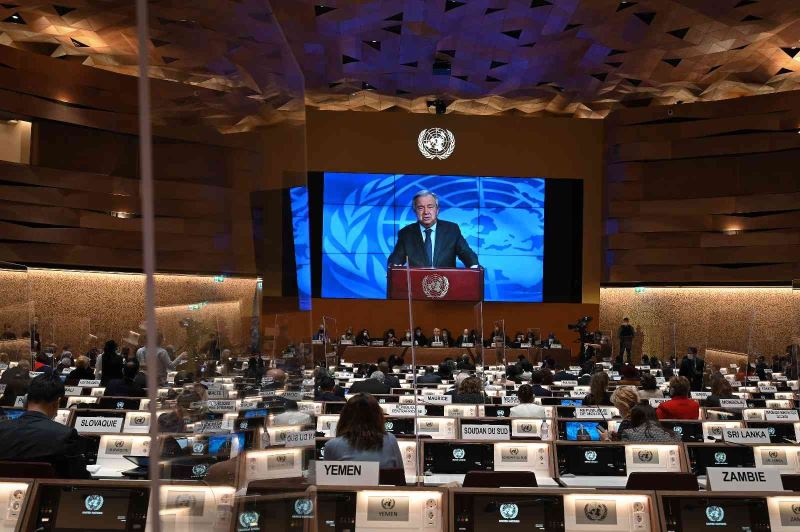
(98, 424)
(346, 473)
(749, 435)
(781, 415)
(485, 432)
(744, 479)
(303, 438)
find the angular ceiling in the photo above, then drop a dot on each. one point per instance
(563, 57)
(530, 57)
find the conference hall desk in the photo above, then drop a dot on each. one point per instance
(358, 354)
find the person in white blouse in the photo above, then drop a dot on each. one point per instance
(526, 406)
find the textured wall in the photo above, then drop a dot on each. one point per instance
(704, 192)
(70, 304)
(762, 320)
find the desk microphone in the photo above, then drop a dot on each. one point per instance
(733, 443)
(787, 440)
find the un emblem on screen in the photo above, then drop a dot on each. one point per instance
(248, 519)
(93, 503)
(435, 286)
(303, 507)
(509, 511)
(595, 511)
(715, 514)
(436, 143)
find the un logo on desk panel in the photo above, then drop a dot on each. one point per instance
(595, 511)
(435, 286)
(436, 143)
(509, 511)
(94, 503)
(715, 514)
(590, 456)
(387, 503)
(720, 457)
(459, 454)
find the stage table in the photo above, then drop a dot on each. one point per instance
(427, 356)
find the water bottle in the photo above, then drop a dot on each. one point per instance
(545, 430)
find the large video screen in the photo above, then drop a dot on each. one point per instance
(502, 220)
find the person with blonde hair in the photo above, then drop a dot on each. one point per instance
(624, 399)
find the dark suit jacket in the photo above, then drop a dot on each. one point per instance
(35, 438)
(429, 378)
(371, 386)
(391, 381)
(449, 245)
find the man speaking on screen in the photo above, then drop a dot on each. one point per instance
(431, 242)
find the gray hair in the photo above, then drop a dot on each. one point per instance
(422, 194)
(378, 376)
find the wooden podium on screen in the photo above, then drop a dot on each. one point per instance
(435, 284)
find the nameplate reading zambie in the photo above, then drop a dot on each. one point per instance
(749, 435)
(744, 479)
(346, 473)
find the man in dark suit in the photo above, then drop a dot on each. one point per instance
(692, 367)
(374, 385)
(431, 242)
(388, 378)
(35, 437)
(563, 375)
(465, 338)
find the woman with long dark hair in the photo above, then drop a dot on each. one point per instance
(361, 435)
(598, 391)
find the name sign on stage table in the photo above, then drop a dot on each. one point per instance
(744, 479)
(346, 473)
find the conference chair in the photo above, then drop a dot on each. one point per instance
(643, 480)
(27, 470)
(500, 479)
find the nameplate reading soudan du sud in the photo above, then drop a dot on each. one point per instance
(744, 479)
(346, 473)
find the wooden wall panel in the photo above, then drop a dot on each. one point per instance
(705, 192)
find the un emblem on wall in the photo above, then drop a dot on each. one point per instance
(436, 143)
(435, 286)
